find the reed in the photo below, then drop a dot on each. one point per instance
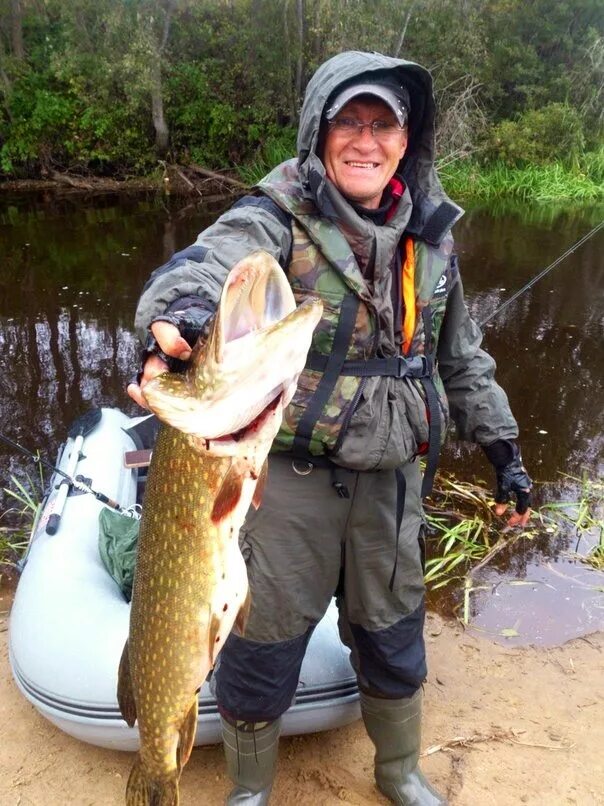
(585, 517)
(464, 534)
(538, 183)
(462, 529)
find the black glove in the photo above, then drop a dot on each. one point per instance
(512, 477)
(192, 322)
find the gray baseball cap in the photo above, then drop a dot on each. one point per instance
(392, 93)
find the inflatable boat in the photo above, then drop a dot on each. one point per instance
(69, 619)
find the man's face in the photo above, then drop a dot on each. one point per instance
(359, 164)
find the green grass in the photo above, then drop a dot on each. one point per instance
(470, 179)
(462, 529)
(538, 183)
(26, 496)
(464, 533)
(274, 151)
(585, 516)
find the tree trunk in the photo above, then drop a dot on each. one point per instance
(17, 30)
(5, 81)
(300, 61)
(292, 100)
(401, 39)
(162, 133)
(300, 11)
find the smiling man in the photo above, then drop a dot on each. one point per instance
(365, 142)
(361, 220)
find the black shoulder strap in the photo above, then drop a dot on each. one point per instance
(331, 373)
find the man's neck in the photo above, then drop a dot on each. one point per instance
(376, 215)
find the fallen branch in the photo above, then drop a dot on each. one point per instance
(188, 181)
(217, 177)
(72, 181)
(510, 735)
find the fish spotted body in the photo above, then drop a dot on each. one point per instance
(219, 419)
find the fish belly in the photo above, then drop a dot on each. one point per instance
(190, 584)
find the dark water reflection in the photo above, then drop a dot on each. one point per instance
(72, 270)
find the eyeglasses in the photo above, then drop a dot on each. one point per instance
(350, 127)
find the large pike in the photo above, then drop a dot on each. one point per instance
(209, 464)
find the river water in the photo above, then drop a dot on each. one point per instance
(72, 269)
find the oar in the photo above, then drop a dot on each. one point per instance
(77, 431)
(81, 427)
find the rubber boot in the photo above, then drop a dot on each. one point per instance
(251, 756)
(394, 727)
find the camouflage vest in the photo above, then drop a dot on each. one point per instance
(322, 264)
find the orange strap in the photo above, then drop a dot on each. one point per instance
(408, 293)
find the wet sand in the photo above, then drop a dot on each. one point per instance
(503, 726)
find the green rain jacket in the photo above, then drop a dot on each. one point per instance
(300, 218)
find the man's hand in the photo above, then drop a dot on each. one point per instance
(171, 340)
(171, 343)
(512, 479)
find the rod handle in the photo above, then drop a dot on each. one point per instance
(52, 527)
(109, 501)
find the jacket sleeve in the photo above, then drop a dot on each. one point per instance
(201, 270)
(478, 405)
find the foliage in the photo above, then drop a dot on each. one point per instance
(537, 137)
(275, 150)
(461, 529)
(98, 79)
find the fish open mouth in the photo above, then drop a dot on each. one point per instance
(250, 432)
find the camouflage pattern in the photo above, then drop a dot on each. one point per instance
(334, 250)
(324, 264)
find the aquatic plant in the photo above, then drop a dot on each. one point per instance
(585, 516)
(464, 534)
(462, 529)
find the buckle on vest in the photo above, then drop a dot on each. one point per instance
(419, 366)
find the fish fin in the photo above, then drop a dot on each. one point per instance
(228, 495)
(260, 485)
(125, 693)
(243, 614)
(213, 636)
(187, 735)
(144, 791)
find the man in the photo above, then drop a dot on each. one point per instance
(360, 219)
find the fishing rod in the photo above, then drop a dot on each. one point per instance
(542, 274)
(78, 484)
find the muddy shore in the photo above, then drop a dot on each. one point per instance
(503, 726)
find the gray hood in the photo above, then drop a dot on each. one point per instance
(433, 212)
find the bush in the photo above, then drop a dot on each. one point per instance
(276, 149)
(553, 133)
(41, 117)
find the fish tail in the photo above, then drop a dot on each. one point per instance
(143, 790)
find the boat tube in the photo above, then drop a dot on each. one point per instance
(69, 619)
